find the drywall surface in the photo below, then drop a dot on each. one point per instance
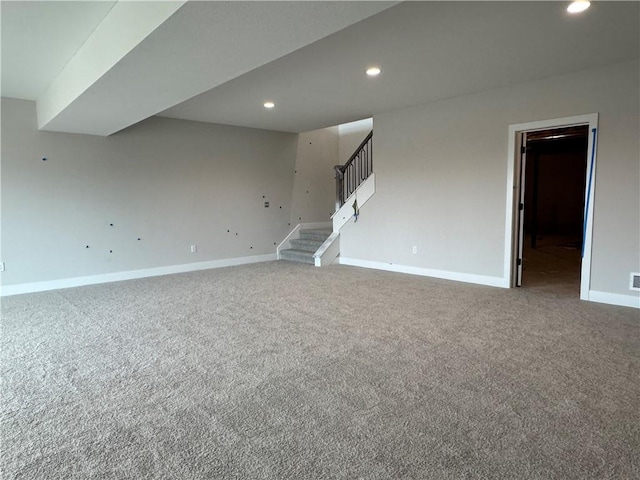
(314, 190)
(441, 176)
(351, 136)
(140, 198)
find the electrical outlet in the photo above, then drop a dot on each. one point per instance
(1, 266)
(194, 248)
(415, 249)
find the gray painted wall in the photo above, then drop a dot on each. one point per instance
(171, 183)
(440, 168)
(441, 174)
(318, 151)
(314, 185)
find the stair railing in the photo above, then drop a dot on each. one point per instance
(355, 171)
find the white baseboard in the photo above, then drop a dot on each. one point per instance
(428, 272)
(615, 299)
(7, 290)
(594, 296)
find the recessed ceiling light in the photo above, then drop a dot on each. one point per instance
(269, 104)
(373, 71)
(578, 6)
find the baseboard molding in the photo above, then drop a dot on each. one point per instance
(632, 301)
(7, 290)
(427, 272)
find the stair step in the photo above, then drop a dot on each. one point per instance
(306, 244)
(295, 255)
(315, 234)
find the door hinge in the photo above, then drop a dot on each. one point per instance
(519, 262)
(523, 149)
(521, 206)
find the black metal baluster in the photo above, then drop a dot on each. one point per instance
(355, 171)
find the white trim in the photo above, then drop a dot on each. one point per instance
(363, 193)
(632, 301)
(7, 290)
(426, 272)
(328, 251)
(590, 119)
(284, 244)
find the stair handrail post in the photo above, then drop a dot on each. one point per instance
(338, 169)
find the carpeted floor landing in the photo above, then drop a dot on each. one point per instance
(286, 371)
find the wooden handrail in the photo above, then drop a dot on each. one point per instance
(357, 151)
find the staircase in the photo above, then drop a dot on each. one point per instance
(303, 248)
(319, 243)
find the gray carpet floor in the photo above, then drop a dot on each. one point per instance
(286, 371)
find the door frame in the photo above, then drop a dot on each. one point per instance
(513, 188)
(519, 194)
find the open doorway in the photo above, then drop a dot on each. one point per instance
(516, 189)
(553, 179)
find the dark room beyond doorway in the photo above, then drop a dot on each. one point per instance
(555, 179)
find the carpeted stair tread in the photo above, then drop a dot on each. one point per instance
(324, 231)
(303, 248)
(295, 255)
(306, 244)
(315, 234)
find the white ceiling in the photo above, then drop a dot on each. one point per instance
(39, 39)
(428, 51)
(220, 61)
